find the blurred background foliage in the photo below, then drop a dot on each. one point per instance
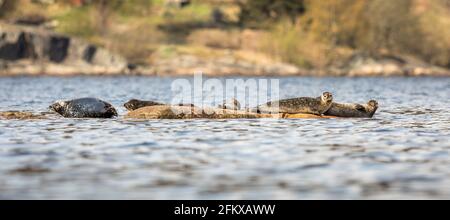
(307, 33)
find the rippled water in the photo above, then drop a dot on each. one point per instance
(402, 153)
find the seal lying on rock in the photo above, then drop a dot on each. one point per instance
(84, 108)
(353, 110)
(134, 104)
(305, 105)
(232, 104)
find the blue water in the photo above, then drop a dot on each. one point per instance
(401, 153)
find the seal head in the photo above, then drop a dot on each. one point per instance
(58, 107)
(327, 98)
(132, 104)
(372, 107)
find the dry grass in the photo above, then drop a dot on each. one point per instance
(216, 38)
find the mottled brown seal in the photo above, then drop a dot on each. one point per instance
(305, 105)
(353, 110)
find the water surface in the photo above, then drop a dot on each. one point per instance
(402, 153)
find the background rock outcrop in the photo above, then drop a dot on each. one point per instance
(34, 50)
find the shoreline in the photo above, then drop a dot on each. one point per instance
(14, 75)
(35, 51)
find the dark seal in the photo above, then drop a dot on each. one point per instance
(134, 104)
(84, 108)
(353, 110)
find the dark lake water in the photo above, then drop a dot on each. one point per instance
(401, 153)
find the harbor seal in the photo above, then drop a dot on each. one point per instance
(232, 104)
(302, 105)
(353, 110)
(134, 104)
(84, 108)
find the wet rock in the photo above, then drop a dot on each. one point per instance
(186, 112)
(20, 115)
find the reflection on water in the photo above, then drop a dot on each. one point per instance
(403, 152)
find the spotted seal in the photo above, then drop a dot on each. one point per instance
(84, 108)
(353, 109)
(134, 104)
(305, 105)
(232, 104)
